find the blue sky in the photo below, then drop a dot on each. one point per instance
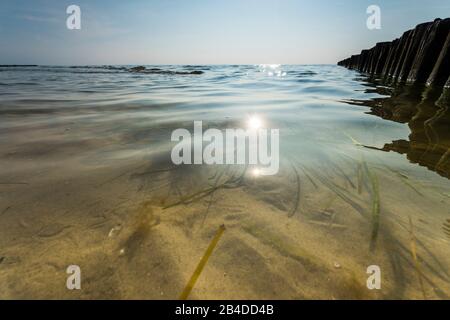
(201, 31)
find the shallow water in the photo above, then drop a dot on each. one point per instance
(86, 179)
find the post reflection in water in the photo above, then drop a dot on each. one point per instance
(426, 112)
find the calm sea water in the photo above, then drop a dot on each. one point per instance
(85, 152)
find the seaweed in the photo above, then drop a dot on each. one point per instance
(437, 290)
(325, 212)
(374, 191)
(415, 259)
(405, 179)
(329, 203)
(309, 177)
(365, 172)
(375, 210)
(354, 141)
(346, 177)
(119, 176)
(297, 198)
(152, 172)
(444, 277)
(191, 283)
(375, 196)
(328, 224)
(308, 260)
(446, 228)
(341, 193)
(14, 183)
(232, 182)
(5, 210)
(193, 196)
(359, 174)
(217, 177)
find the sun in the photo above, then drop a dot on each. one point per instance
(254, 122)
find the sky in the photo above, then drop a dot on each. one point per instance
(202, 31)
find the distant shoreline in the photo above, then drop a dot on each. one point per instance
(17, 65)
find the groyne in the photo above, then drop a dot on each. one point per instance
(420, 55)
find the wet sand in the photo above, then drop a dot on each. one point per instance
(135, 231)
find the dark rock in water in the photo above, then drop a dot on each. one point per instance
(137, 69)
(17, 65)
(420, 55)
(142, 69)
